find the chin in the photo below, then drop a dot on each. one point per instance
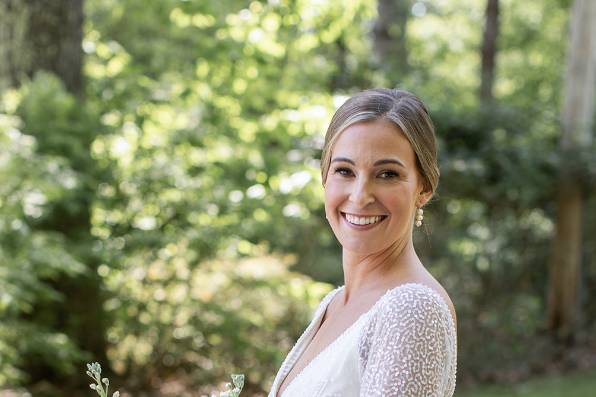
(361, 248)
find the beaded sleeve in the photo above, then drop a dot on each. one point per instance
(409, 346)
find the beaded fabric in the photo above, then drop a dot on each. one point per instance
(404, 346)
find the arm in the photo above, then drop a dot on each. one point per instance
(408, 349)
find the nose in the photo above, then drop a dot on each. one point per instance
(361, 194)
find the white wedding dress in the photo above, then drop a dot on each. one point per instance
(404, 346)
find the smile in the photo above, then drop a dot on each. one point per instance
(363, 220)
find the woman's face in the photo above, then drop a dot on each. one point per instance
(373, 187)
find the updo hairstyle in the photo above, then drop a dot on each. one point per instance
(405, 111)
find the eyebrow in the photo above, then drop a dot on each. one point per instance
(378, 162)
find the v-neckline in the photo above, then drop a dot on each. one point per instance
(322, 313)
(327, 348)
(329, 345)
(306, 344)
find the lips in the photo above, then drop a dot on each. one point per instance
(363, 221)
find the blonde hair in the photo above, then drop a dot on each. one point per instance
(403, 109)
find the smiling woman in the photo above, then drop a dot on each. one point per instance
(390, 329)
(373, 173)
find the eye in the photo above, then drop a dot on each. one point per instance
(388, 174)
(343, 171)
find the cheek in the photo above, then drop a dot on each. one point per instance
(398, 200)
(333, 197)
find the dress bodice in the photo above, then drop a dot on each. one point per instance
(404, 345)
(329, 367)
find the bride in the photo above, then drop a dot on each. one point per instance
(390, 330)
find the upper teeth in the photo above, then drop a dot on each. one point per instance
(362, 220)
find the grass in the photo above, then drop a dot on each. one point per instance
(577, 384)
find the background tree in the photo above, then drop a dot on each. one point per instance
(576, 136)
(489, 51)
(390, 37)
(46, 36)
(42, 35)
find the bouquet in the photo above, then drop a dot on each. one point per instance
(94, 371)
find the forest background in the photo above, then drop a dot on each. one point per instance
(161, 209)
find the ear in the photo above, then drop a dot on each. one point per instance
(423, 197)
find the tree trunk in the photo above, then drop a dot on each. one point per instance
(489, 51)
(41, 35)
(46, 35)
(390, 38)
(13, 21)
(577, 116)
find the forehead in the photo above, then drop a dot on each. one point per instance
(368, 141)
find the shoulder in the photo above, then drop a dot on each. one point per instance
(429, 293)
(409, 344)
(411, 317)
(409, 309)
(416, 295)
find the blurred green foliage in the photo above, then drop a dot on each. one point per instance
(198, 146)
(31, 258)
(578, 384)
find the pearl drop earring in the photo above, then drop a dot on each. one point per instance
(419, 217)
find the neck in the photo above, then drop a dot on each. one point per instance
(370, 272)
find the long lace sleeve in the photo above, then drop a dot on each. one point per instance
(409, 347)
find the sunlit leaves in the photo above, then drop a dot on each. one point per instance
(30, 260)
(199, 308)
